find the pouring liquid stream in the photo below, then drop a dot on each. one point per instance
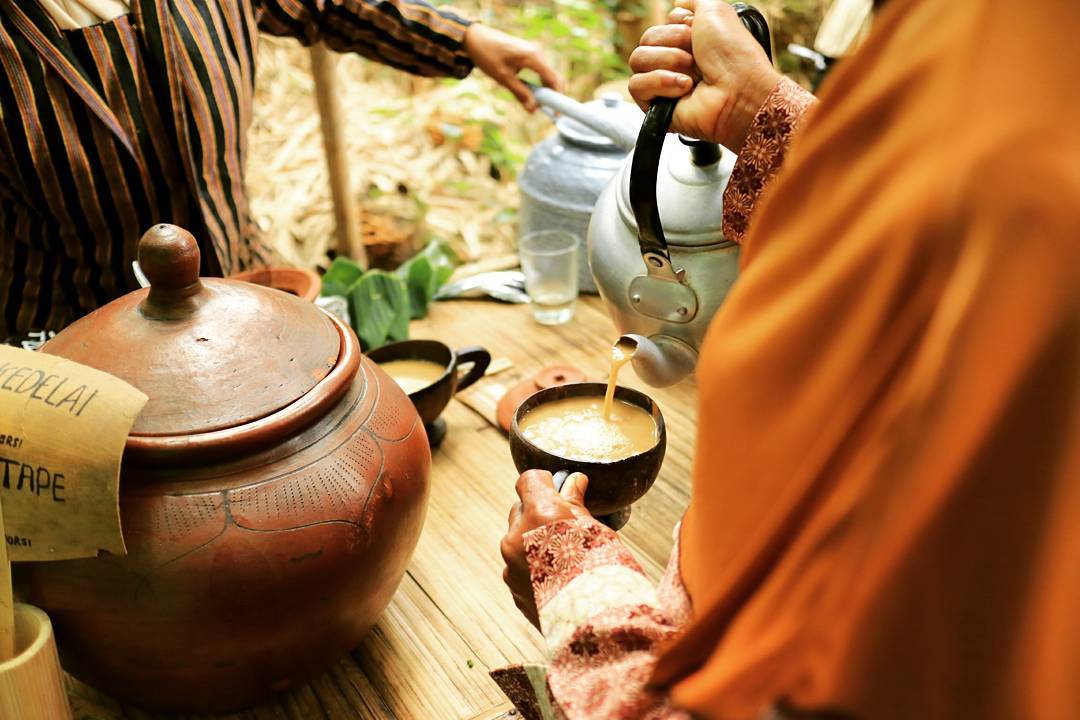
(622, 352)
(581, 428)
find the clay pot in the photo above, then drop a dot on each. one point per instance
(272, 492)
(304, 284)
(613, 486)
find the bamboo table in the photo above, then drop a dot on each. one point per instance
(452, 619)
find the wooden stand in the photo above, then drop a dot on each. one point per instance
(31, 684)
(346, 210)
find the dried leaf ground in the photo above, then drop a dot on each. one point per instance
(414, 149)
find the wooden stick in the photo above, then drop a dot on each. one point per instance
(634, 17)
(346, 209)
(7, 604)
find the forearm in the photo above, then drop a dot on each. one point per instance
(407, 34)
(763, 153)
(602, 620)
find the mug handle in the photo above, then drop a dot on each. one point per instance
(615, 520)
(473, 355)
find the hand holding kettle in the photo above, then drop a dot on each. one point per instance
(704, 56)
(656, 244)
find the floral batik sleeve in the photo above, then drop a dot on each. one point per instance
(603, 621)
(763, 153)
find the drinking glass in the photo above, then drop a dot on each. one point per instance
(549, 259)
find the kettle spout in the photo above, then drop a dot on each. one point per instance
(661, 360)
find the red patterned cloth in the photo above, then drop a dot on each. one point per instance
(763, 153)
(603, 621)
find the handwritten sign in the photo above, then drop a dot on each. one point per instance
(62, 432)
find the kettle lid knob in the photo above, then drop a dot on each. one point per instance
(703, 152)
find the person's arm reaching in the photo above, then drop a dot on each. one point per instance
(409, 35)
(728, 93)
(602, 618)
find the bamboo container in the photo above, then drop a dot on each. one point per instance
(31, 683)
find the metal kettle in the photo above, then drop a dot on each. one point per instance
(566, 172)
(655, 242)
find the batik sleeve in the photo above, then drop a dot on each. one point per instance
(763, 153)
(603, 620)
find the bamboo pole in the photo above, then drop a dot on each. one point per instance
(845, 24)
(7, 605)
(634, 17)
(31, 683)
(346, 210)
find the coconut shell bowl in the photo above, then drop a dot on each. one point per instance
(613, 486)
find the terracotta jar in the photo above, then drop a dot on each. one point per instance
(272, 493)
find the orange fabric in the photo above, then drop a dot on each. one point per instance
(886, 509)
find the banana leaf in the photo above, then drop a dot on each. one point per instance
(379, 303)
(340, 276)
(420, 283)
(425, 273)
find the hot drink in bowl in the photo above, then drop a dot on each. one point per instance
(576, 428)
(413, 375)
(584, 428)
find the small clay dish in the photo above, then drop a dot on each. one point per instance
(613, 486)
(432, 400)
(304, 284)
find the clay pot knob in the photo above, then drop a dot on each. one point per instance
(169, 257)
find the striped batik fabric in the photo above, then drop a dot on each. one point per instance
(108, 129)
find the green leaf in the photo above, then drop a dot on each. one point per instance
(426, 272)
(340, 276)
(420, 280)
(379, 304)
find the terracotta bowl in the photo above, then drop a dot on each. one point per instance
(613, 486)
(433, 399)
(304, 284)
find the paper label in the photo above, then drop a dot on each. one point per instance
(62, 432)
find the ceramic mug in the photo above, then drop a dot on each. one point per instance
(430, 401)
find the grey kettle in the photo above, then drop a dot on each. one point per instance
(655, 242)
(566, 172)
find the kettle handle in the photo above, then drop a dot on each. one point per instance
(650, 143)
(548, 98)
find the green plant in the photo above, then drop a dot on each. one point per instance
(381, 303)
(379, 308)
(579, 33)
(426, 272)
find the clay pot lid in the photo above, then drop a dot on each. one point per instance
(211, 354)
(550, 376)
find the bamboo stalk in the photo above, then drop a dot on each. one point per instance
(7, 608)
(31, 683)
(634, 17)
(346, 210)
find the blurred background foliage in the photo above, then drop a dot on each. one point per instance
(441, 156)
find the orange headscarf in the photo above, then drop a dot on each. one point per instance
(886, 511)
